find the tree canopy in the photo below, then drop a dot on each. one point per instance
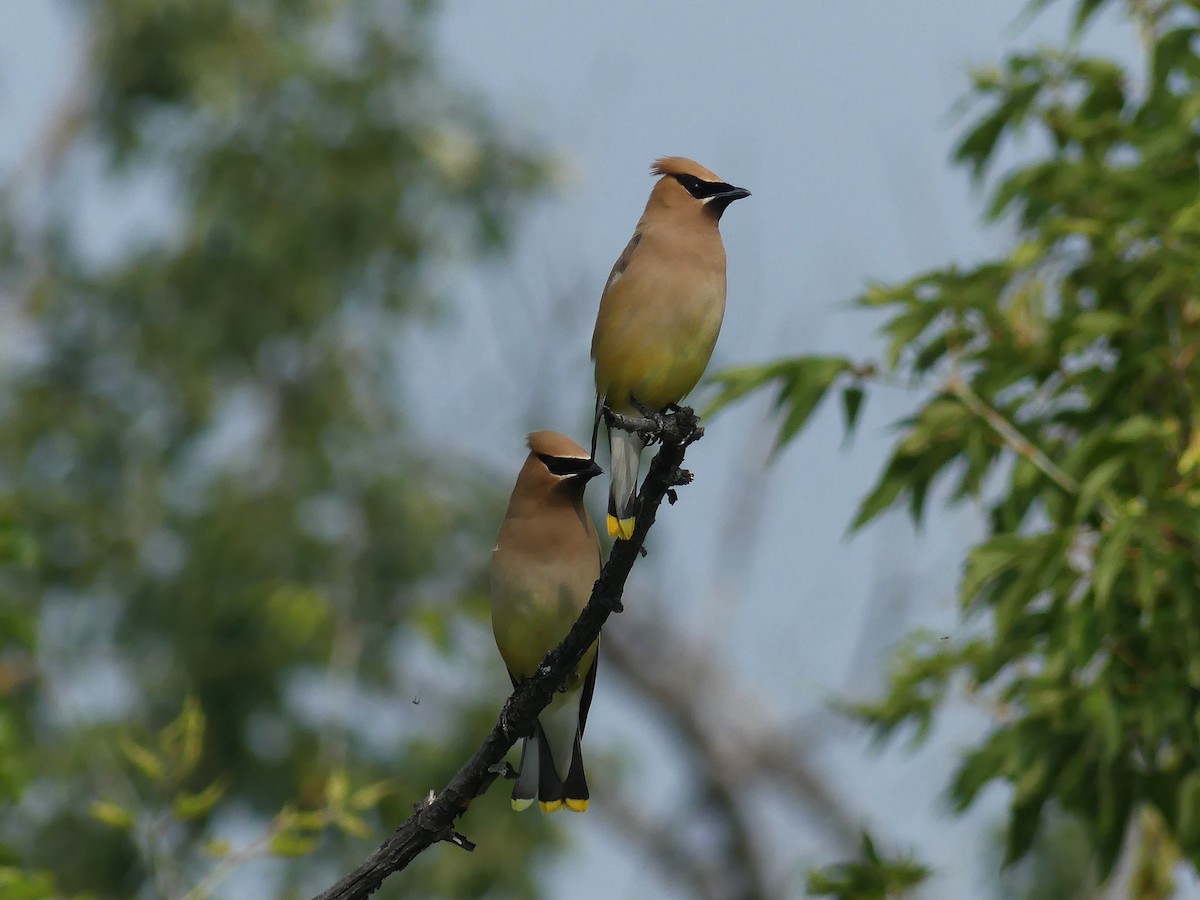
(221, 517)
(1060, 394)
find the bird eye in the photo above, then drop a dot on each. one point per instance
(692, 185)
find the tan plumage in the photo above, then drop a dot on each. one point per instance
(660, 312)
(546, 560)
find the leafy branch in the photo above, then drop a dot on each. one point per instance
(1058, 386)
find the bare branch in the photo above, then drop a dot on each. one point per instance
(660, 841)
(434, 817)
(697, 696)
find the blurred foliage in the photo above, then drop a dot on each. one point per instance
(1063, 396)
(1059, 865)
(869, 877)
(210, 499)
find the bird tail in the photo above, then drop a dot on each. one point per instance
(538, 779)
(625, 448)
(552, 760)
(525, 790)
(575, 789)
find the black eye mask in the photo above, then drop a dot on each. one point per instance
(564, 466)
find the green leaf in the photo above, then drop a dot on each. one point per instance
(1189, 812)
(1084, 13)
(353, 824)
(218, 847)
(979, 144)
(1100, 707)
(891, 484)
(294, 845)
(904, 329)
(801, 384)
(21, 884)
(738, 382)
(371, 795)
(1098, 323)
(1136, 429)
(1097, 483)
(988, 561)
(806, 386)
(1111, 559)
(182, 741)
(852, 400)
(1024, 819)
(871, 876)
(146, 761)
(189, 806)
(112, 814)
(980, 766)
(337, 786)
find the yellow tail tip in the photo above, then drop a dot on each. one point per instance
(521, 805)
(621, 529)
(549, 806)
(577, 805)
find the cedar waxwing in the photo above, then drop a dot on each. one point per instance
(660, 313)
(546, 560)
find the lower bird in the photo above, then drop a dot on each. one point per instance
(547, 558)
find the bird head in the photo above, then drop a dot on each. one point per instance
(686, 181)
(557, 461)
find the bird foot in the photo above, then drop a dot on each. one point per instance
(678, 424)
(654, 415)
(509, 729)
(503, 769)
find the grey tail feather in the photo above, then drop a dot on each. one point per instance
(526, 786)
(625, 448)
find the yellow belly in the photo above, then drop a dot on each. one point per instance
(657, 362)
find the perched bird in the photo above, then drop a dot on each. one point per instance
(546, 560)
(660, 314)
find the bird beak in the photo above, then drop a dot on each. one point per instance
(730, 195)
(718, 203)
(590, 472)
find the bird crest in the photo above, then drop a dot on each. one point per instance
(681, 165)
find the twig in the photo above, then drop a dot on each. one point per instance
(435, 815)
(1009, 434)
(1145, 16)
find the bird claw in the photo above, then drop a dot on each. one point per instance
(503, 769)
(654, 415)
(507, 727)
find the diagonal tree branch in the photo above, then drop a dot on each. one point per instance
(662, 843)
(737, 739)
(434, 818)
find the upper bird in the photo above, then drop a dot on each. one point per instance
(546, 560)
(660, 313)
